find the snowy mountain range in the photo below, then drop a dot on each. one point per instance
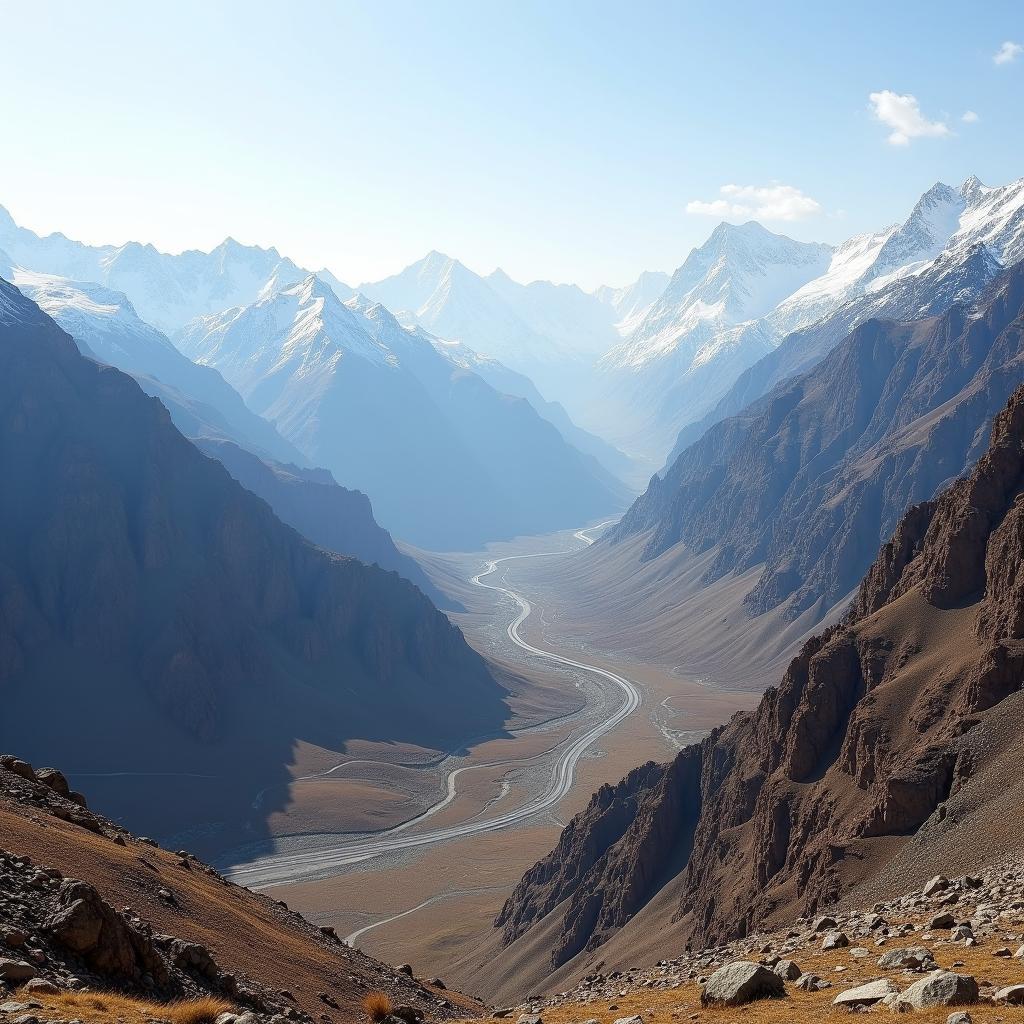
(552, 333)
(953, 244)
(448, 460)
(166, 290)
(741, 295)
(106, 326)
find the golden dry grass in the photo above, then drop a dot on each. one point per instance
(682, 1005)
(108, 1007)
(377, 1005)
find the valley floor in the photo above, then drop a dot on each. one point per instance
(386, 870)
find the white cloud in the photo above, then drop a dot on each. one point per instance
(969, 117)
(903, 115)
(1007, 53)
(761, 202)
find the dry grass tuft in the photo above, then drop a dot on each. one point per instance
(377, 1005)
(197, 1011)
(111, 1006)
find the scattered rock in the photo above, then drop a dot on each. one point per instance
(787, 970)
(835, 940)
(938, 884)
(943, 920)
(14, 972)
(912, 958)
(940, 988)
(1012, 994)
(824, 924)
(530, 1018)
(865, 995)
(41, 986)
(742, 982)
(961, 1017)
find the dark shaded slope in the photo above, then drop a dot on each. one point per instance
(326, 513)
(886, 733)
(811, 478)
(173, 626)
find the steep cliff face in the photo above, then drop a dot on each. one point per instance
(173, 624)
(878, 727)
(809, 480)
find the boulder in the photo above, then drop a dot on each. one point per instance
(938, 884)
(635, 1019)
(865, 995)
(410, 1014)
(19, 767)
(14, 972)
(812, 983)
(742, 982)
(86, 924)
(1012, 994)
(943, 920)
(940, 988)
(913, 958)
(824, 924)
(787, 970)
(960, 1017)
(41, 987)
(530, 1018)
(55, 779)
(835, 940)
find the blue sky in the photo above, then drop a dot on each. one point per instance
(565, 140)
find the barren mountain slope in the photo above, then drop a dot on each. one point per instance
(184, 931)
(902, 717)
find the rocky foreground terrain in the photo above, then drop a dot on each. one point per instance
(951, 950)
(86, 907)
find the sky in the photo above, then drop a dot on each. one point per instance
(560, 140)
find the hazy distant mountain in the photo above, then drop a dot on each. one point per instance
(812, 477)
(178, 633)
(509, 382)
(949, 248)
(694, 342)
(167, 290)
(104, 323)
(551, 333)
(448, 460)
(633, 302)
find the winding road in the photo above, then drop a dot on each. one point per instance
(279, 869)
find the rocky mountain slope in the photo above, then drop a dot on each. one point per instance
(91, 913)
(810, 479)
(184, 637)
(449, 461)
(311, 501)
(886, 749)
(947, 944)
